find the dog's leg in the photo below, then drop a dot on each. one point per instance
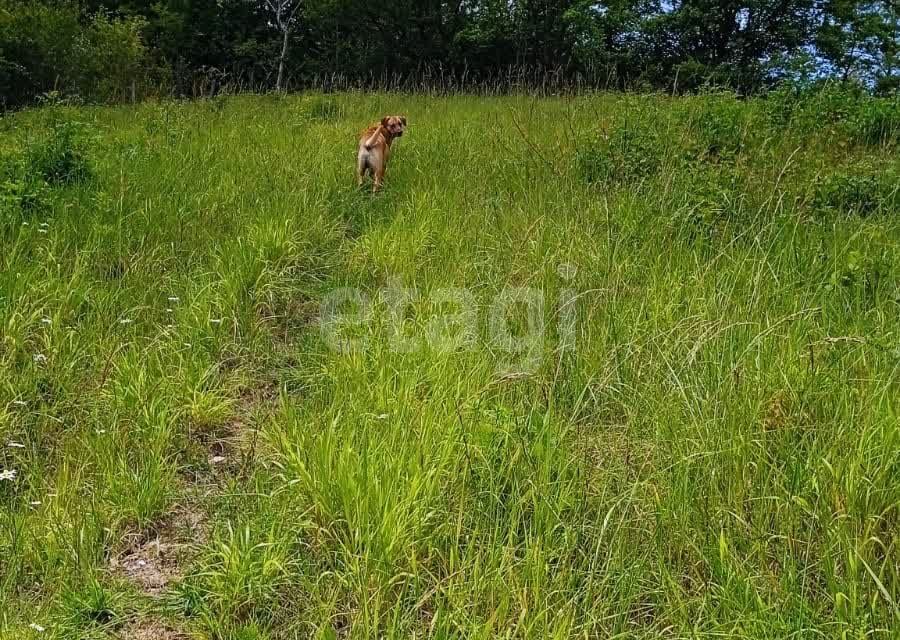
(361, 167)
(381, 167)
(379, 178)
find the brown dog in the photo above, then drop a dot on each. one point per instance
(375, 148)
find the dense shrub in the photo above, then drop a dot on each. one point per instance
(857, 191)
(846, 108)
(876, 121)
(60, 158)
(862, 271)
(628, 153)
(692, 75)
(809, 107)
(21, 193)
(20, 190)
(26, 177)
(109, 60)
(46, 47)
(721, 126)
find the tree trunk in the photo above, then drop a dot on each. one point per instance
(284, 49)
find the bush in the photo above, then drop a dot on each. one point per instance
(60, 158)
(13, 76)
(809, 107)
(49, 47)
(109, 60)
(887, 86)
(876, 121)
(21, 191)
(861, 191)
(846, 108)
(693, 76)
(21, 195)
(628, 153)
(861, 271)
(721, 127)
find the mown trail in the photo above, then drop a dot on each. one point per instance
(716, 454)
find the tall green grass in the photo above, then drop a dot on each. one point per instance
(718, 455)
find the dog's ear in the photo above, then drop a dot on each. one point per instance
(403, 120)
(385, 121)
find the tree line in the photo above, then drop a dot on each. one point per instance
(114, 50)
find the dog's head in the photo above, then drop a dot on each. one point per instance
(394, 125)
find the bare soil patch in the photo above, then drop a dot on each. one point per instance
(154, 561)
(150, 630)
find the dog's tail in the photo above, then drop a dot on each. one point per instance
(368, 144)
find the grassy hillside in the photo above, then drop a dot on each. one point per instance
(701, 441)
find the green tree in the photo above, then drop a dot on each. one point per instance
(860, 39)
(52, 47)
(728, 41)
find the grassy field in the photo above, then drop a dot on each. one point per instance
(700, 440)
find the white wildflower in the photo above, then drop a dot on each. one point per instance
(170, 310)
(44, 225)
(36, 627)
(20, 403)
(216, 321)
(46, 321)
(15, 445)
(39, 358)
(8, 474)
(42, 231)
(174, 299)
(35, 503)
(126, 321)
